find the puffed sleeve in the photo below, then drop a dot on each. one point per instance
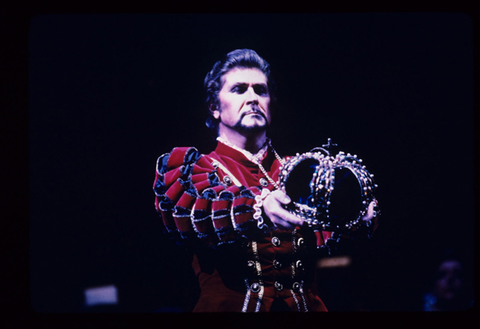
(195, 205)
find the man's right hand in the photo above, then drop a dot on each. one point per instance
(281, 218)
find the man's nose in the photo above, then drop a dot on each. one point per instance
(251, 96)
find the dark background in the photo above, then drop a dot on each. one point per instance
(108, 94)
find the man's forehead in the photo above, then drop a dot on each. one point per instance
(450, 264)
(244, 75)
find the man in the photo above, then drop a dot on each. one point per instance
(451, 289)
(250, 253)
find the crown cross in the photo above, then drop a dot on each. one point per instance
(329, 146)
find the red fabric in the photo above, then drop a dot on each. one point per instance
(186, 201)
(245, 171)
(222, 283)
(172, 176)
(183, 224)
(243, 218)
(222, 222)
(221, 205)
(177, 157)
(217, 296)
(168, 220)
(175, 191)
(204, 163)
(200, 177)
(202, 185)
(202, 204)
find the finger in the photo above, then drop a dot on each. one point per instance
(294, 219)
(288, 216)
(290, 220)
(283, 225)
(281, 196)
(371, 213)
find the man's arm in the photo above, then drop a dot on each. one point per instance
(195, 205)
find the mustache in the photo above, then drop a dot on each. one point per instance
(256, 110)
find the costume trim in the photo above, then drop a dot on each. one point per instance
(295, 299)
(247, 297)
(259, 273)
(303, 297)
(256, 287)
(217, 164)
(259, 298)
(258, 208)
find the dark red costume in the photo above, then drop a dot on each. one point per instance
(241, 265)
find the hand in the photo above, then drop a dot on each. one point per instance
(371, 212)
(278, 215)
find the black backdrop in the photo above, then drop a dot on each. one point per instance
(108, 94)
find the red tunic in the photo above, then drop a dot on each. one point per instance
(247, 268)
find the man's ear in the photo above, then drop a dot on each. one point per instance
(215, 112)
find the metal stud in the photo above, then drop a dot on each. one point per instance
(276, 264)
(278, 286)
(276, 241)
(255, 287)
(300, 242)
(296, 286)
(227, 180)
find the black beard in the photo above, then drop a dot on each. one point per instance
(251, 129)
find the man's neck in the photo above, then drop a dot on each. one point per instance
(251, 143)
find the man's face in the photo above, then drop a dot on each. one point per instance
(244, 101)
(449, 282)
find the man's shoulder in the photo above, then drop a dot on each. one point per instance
(190, 150)
(185, 154)
(177, 157)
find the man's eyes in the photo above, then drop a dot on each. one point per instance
(239, 89)
(258, 89)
